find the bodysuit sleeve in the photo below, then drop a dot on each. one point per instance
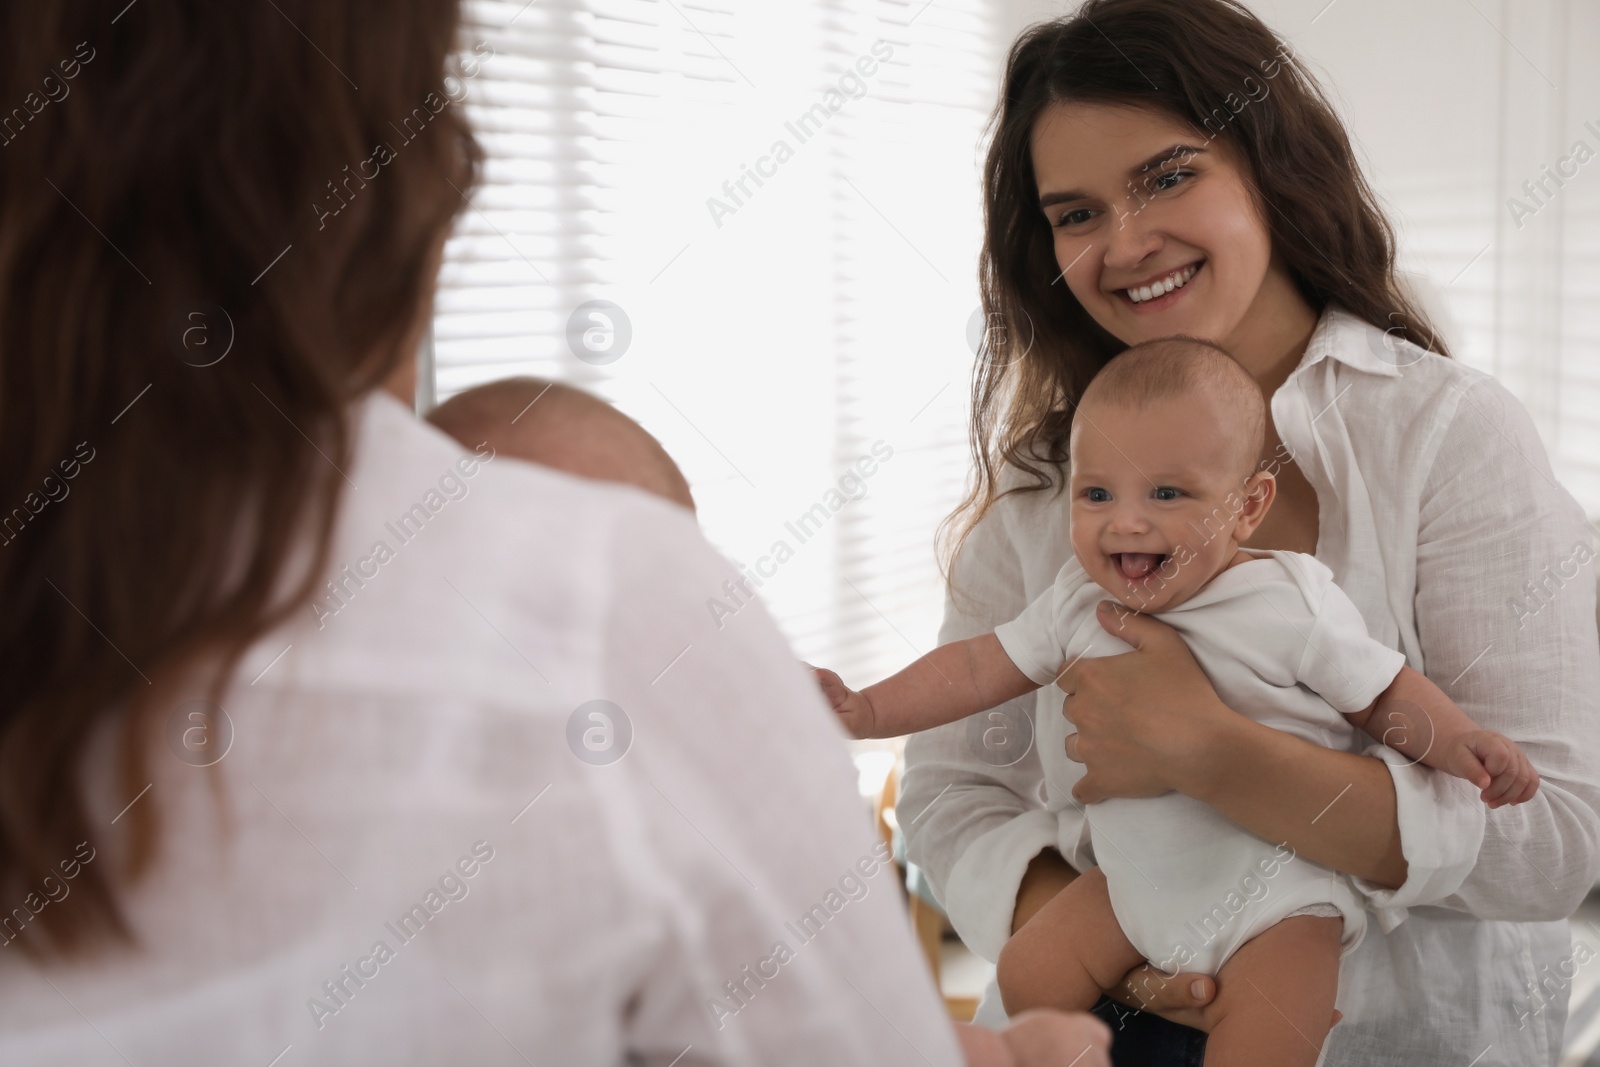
(1031, 639)
(1341, 661)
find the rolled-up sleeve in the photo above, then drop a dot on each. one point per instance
(1441, 823)
(970, 826)
(1505, 614)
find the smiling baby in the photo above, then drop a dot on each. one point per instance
(1163, 486)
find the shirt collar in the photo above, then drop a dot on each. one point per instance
(1354, 342)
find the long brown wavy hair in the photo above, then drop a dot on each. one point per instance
(203, 261)
(1184, 59)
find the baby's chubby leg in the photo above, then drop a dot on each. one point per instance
(1275, 995)
(1068, 953)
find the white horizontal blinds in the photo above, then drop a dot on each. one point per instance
(1526, 252)
(1546, 332)
(568, 109)
(577, 100)
(908, 213)
(1578, 406)
(795, 269)
(519, 256)
(1499, 204)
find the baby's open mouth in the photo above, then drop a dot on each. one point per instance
(1136, 566)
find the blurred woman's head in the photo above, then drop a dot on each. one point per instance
(1158, 167)
(219, 224)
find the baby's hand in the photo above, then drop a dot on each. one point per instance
(1495, 764)
(853, 708)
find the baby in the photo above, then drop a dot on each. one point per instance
(565, 428)
(1163, 487)
(558, 426)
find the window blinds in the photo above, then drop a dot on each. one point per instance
(753, 227)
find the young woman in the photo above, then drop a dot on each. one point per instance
(1166, 167)
(322, 738)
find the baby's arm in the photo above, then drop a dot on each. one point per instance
(1415, 718)
(949, 683)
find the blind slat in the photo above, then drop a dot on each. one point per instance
(798, 295)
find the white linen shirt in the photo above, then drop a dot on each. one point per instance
(1441, 520)
(406, 770)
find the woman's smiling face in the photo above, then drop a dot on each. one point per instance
(1156, 230)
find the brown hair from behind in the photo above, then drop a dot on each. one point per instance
(180, 298)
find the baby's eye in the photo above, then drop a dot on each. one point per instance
(1097, 495)
(1176, 493)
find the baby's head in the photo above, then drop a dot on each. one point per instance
(558, 426)
(1165, 445)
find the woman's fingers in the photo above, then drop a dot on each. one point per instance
(1046, 1038)
(1039, 1037)
(1145, 720)
(1179, 998)
(1086, 790)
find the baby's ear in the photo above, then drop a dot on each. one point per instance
(1261, 486)
(1256, 498)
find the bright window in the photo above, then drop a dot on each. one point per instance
(782, 200)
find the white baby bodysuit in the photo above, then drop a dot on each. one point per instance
(1282, 644)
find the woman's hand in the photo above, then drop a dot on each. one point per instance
(1039, 1038)
(1146, 720)
(1186, 999)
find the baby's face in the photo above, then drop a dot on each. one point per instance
(1156, 494)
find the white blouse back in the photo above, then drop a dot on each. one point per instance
(681, 873)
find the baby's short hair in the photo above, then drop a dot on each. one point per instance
(1179, 366)
(565, 428)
